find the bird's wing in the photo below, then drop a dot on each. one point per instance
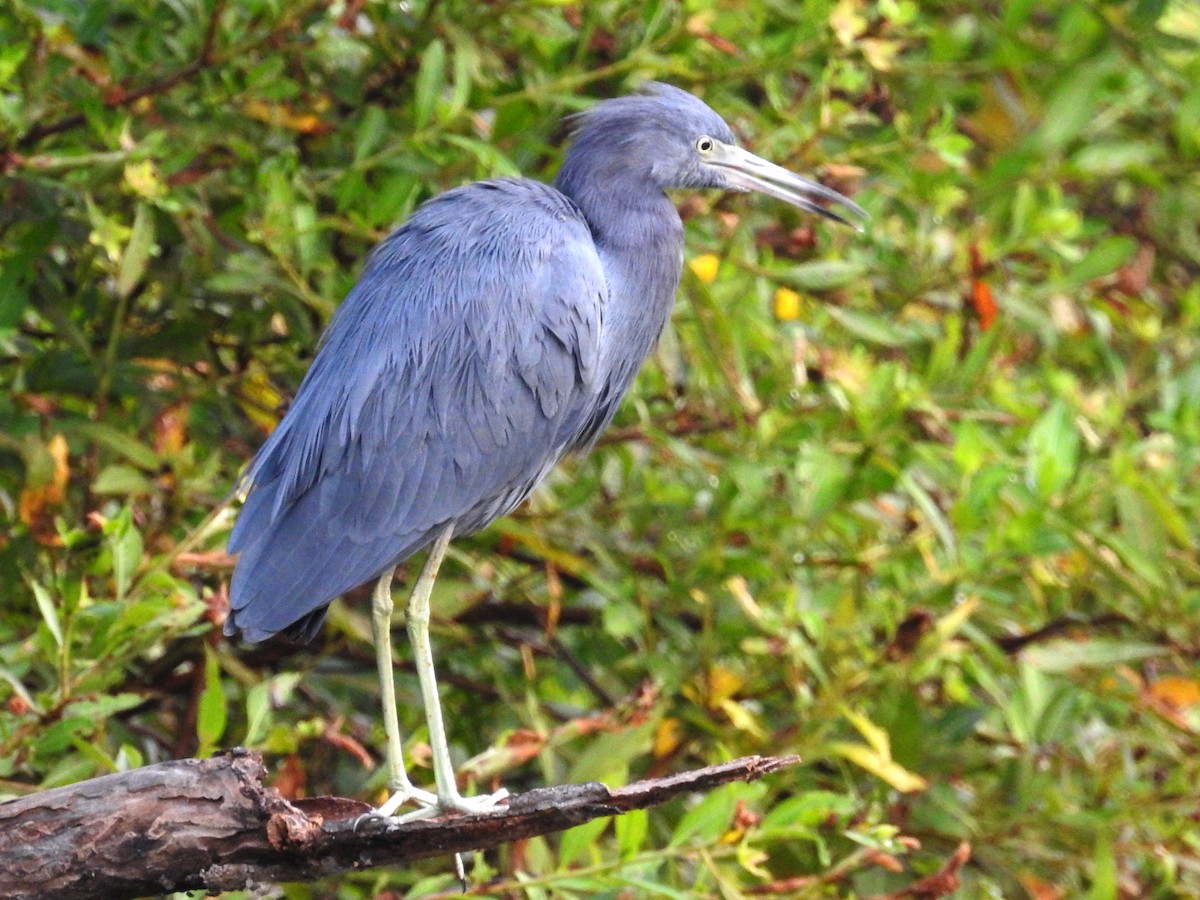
(447, 385)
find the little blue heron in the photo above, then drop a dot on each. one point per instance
(493, 332)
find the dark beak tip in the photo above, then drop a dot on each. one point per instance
(862, 217)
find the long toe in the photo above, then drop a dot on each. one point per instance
(473, 806)
(454, 804)
(409, 794)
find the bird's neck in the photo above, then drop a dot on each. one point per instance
(639, 238)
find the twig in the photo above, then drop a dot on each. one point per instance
(1014, 643)
(942, 883)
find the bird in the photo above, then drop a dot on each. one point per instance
(491, 334)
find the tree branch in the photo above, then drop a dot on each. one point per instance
(212, 825)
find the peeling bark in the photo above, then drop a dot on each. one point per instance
(212, 825)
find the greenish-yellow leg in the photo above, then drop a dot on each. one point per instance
(447, 799)
(402, 790)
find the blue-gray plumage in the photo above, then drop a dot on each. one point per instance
(457, 371)
(492, 333)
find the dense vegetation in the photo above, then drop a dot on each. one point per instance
(918, 504)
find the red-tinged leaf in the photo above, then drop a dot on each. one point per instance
(719, 43)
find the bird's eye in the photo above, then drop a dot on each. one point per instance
(704, 144)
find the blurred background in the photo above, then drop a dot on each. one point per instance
(918, 504)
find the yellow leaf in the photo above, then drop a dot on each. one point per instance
(876, 755)
(700, 24)
(753, 859)
(741, 592)
(879, 54)
(847, 21)
(260, 399)
(1003, 113)
(949, 624)
(667, 737)
(705, 268)
(722, 684)
(107, 233)
(881, 767)
(741, 719)
(787, 305)
(144, 179)
(849, 369)
(876, 736)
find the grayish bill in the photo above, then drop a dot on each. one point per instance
(746, 172)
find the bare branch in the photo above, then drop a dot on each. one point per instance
(212, 825)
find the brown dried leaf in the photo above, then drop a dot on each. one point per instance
(45, 490)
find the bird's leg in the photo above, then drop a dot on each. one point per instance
(448, 797)
(402, 790)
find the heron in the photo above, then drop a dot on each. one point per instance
(492, 333)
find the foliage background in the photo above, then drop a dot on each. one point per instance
(918, 504)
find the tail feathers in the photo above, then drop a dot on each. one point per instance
(291, 569)
(302, 631)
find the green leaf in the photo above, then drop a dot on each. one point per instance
(710, 818)
(631, 829)
(607, 756)
(430, 80)
(372, 129)
(119, 441)
(1073, 105)
(807, 810)
(1067, 655)
(823, 274)
(874, 327)
(261, 699)
(98, 709)
(210, 710)
(1052, 451)
(138, 251)
(125, 542)
(121, 481)
(650, 888)
(258, 713)
(45, 605)
(581, 840)
(1103, 259)
(1105, 877)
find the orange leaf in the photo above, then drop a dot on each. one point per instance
(1176, 692)
(1037, 889)
(170, 429)
(281, 116)
(985, 304)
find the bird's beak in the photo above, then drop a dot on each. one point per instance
(744, 171)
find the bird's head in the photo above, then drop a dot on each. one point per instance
(675, 140)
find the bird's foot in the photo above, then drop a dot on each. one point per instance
(478, 805)
(406, 793)
(455, 803)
